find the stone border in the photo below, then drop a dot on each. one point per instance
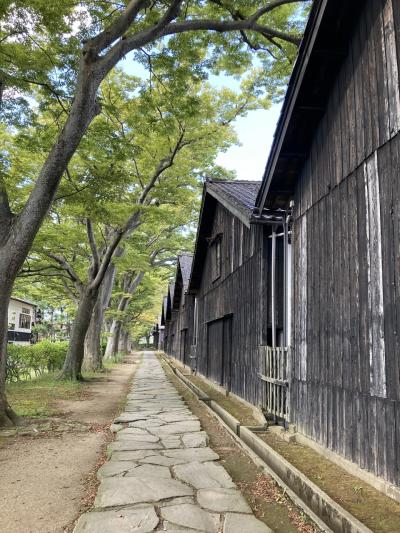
(313, 500)
(332, 514)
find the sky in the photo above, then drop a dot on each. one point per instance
(255, 131)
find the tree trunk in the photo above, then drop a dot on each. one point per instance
(121, 343)
(7, 415)
(72, 368)
(113, 340)
(125, 347)
(93, 357)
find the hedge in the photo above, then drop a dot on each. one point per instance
(24, 361)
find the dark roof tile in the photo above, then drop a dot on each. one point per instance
(185, 262)
(241, 194)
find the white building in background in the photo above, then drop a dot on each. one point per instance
(21, 318)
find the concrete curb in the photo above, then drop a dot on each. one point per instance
(198, 392)
(314, 501)
(229, 420)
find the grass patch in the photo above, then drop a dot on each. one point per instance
(116, 360)
(36, 398)
(377, 511)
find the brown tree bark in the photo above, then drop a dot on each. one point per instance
(125, 342)
(72, 368)
(113, 340)
(7, 415)
(93, 358)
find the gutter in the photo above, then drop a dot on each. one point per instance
(328, 515)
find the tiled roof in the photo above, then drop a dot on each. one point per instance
(171, 291)
(241, 194)
(185, 262)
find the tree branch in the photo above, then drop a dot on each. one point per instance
(93, 246)
(162, 29)
(162, 167)
(118, 28)
(106, 260)
(66, 266)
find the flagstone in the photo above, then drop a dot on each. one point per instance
(126, 491)
(223, 500)
(141, 520)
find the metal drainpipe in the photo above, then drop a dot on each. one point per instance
(273, 310)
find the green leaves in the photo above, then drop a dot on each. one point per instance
(145, 155)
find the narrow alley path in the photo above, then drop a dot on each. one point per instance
(162, 476)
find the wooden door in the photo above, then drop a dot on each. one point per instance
(183, 347)
(219, 347)
(227, 352)
(215, 350)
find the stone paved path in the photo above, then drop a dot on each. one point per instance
(162, 476)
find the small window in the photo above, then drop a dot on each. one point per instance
(216, 258)
(11, 327)
(26, 311)
(24, 321)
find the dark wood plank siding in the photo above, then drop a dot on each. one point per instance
(345, 390)
(237, 296)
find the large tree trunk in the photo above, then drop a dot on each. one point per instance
(93, 357)
(113, 340)
(7, 415)
(72, 368)
(121, 344)
(125, 347)
(17, 232)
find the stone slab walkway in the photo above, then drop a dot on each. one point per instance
(162, 476)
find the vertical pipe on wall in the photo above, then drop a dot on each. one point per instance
(285, 282)
(273, 289)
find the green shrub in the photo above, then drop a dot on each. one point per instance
(103, 346)
(23, 361)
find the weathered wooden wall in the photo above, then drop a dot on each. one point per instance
(232, 341)
(184, 328)
(172, 334)
(345, 389)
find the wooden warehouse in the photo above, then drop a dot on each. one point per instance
(226, 280)
(184, 304)
(179, 308)
(296, 284)
(170, 322)
(336, 156)
(161, 325)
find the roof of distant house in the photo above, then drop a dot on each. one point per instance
(23, 300)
